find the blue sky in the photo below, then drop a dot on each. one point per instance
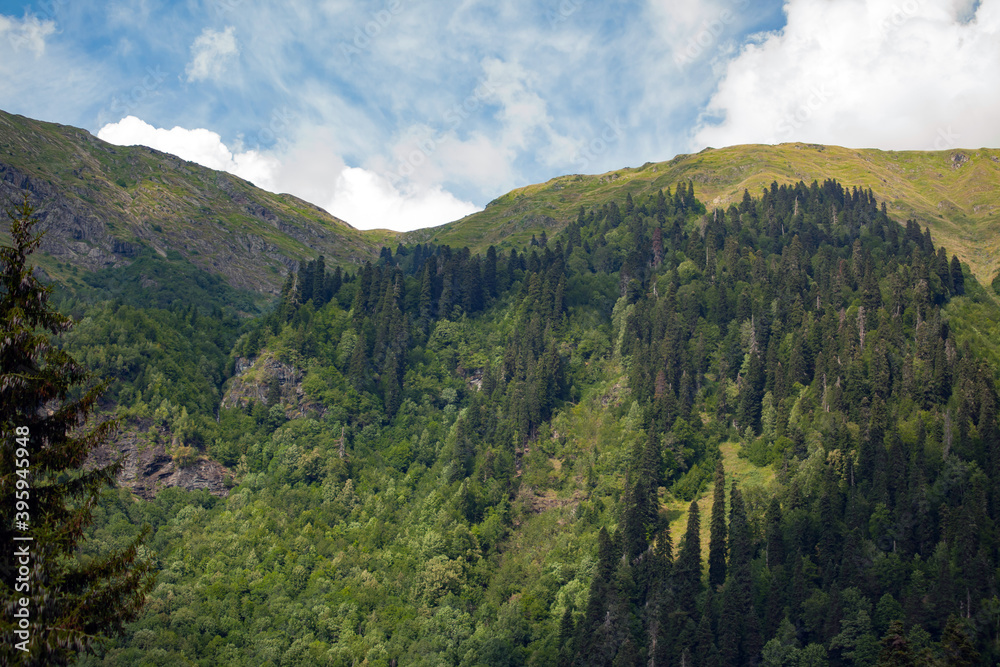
(409, 113)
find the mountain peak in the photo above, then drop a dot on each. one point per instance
(101, 204)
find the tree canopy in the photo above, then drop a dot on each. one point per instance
(56, 603)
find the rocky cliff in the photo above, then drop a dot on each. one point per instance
(267, 380)
(148, 468)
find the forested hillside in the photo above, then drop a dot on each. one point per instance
(762, 435)
(953, 192)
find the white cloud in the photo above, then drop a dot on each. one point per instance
(28, 33)
(478, 140)
(522, 110)
(212, 53)
(199, 145)
(369, 201)
(307, 168)
(680, 24)
(424, 158)
(526, 123)
(43, 74)
(480, 162)
(891, 74)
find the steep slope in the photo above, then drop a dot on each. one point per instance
(100, 205)
(457, 459)
(956, 193)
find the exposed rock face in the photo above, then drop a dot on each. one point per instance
(254, 379)
(474, 377)
(71, 235)
(149, 469)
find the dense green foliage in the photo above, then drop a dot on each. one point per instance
(489, 450)
(55, 604)
(812, 324)
(161, 332)
(151, 281)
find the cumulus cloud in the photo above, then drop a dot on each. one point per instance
(27, 34)
(306, 168)
(199, 145)
(891, 74)
(368, 200)
(212, 53)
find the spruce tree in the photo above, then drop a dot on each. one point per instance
(565, 638)
(717, 541)
(305, 282)
(333, 282)
(46, 491)
(286, 303)
(597, 601)
(704, 641)
(425, 303)
(490, 273)
(319, 282)
(775, 543)
(687, 569)
(896, 650)
(633, 527)
(392, 391)
(663, 559)
(357, 369)
(956, 645)
(957, 277)
(447, 299)
(740, 640)
(651, 478)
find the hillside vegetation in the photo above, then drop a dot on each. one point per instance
(953, 192)
(725, 410)
(102, 206)
(765, 434)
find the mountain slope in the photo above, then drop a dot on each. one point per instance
(956, 193)
(457, 459)
(100, 205)
(103, 203)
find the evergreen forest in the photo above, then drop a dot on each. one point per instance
(666, 434)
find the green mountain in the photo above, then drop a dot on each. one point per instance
(673, 429)
(953, 192)
(102, 206)
(763, 437)
(105, 203)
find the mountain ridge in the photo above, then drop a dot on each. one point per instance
(954, 192)
(100, 205)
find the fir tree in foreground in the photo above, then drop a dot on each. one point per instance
(55, 604)
(717, 544)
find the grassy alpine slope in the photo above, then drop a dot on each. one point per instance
(954, 192)
(102, 205)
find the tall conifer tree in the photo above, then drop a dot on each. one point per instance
(717, 543)
(70, 605)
